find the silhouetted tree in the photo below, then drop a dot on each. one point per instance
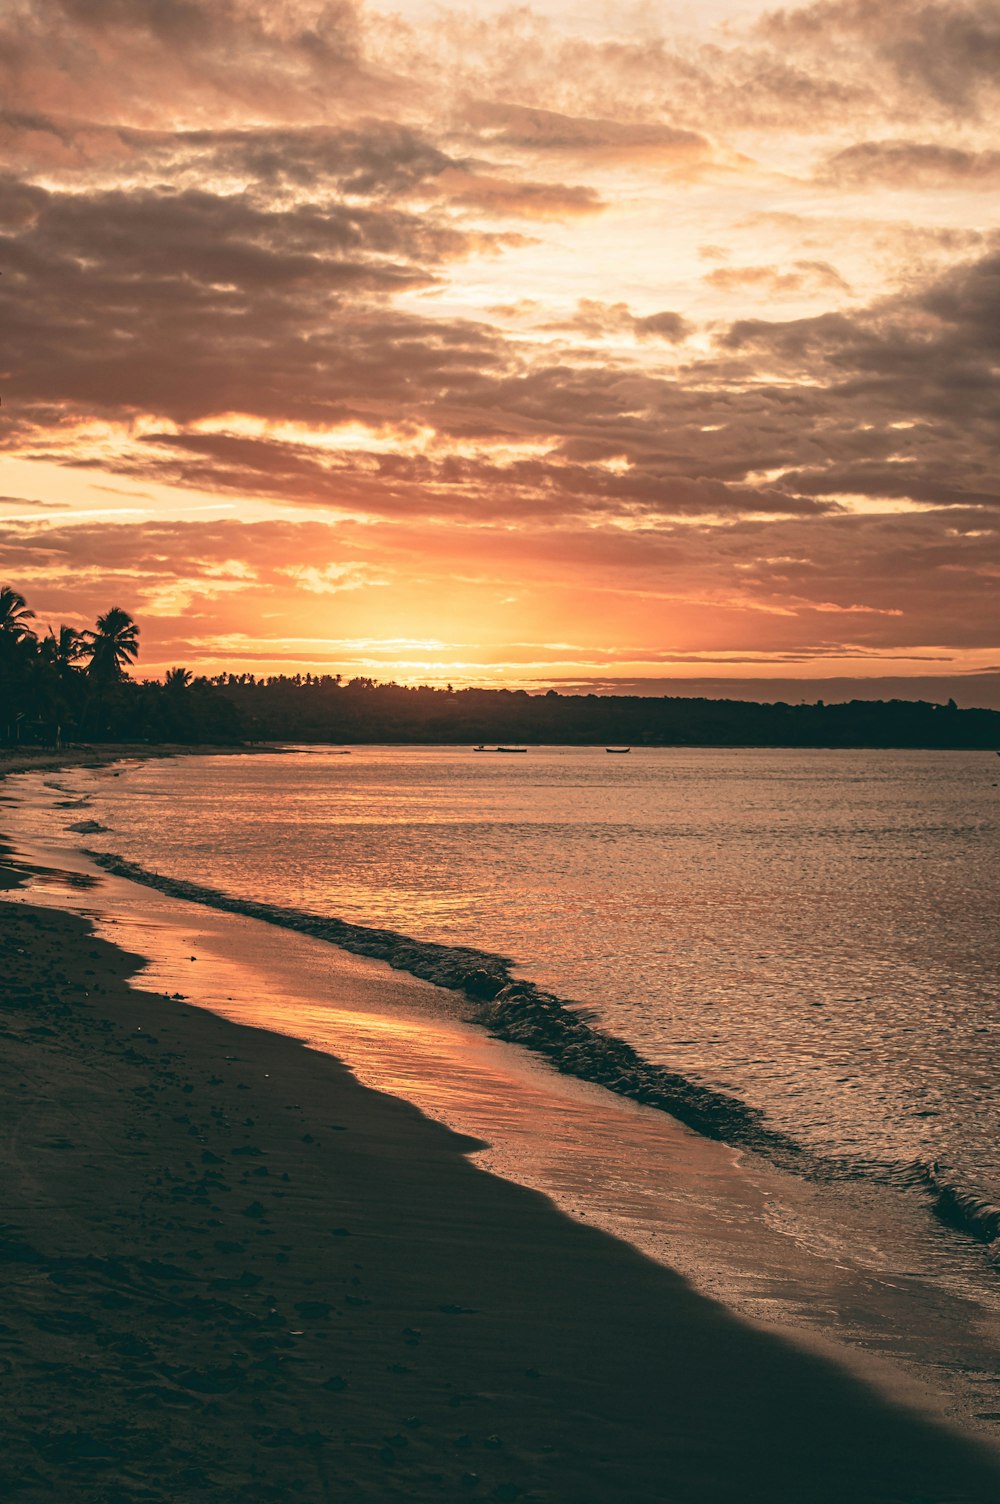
(62, 651)
(110, 647)
(113, 644)
(58, 684)
(17, 646)
(14, 615)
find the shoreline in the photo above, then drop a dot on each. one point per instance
(522, 1013)
(99, 755)
(389, 1319)
(514, 1010)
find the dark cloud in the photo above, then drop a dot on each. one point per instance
(129, 62)
(947, 49)
(796, 342)
(373, 158)
(383, 161)
(665, 325)
(903, 396)
(187, 303)
(556, 486)
(930, 353)
(549, 131)
(912, 164)
(505, 196)
(593, 319)
(896, 571)
(154, 548)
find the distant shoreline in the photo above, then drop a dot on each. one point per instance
(44, 759)
(244, 711)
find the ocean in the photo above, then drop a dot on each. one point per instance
(809, 938)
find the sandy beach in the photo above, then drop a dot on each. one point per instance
(231, 1271)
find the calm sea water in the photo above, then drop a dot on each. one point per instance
(815, 932)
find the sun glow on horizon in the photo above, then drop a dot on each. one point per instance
(661, 333)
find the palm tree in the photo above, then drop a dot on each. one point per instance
(114, 644)
(17, 654)
(59, 685)
(62, 651)
(14, 615)
(176, 680)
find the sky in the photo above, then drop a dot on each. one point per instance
(575, 345)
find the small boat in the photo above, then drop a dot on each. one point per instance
(512, 749)
(480, 748)
(618, 751)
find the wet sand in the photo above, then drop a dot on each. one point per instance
(43, 759)
(231, 1271)
(48, 759)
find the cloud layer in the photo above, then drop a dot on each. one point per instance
(550, 351)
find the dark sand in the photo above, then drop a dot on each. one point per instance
(43, 759)
(230, 1272)
(84, 755)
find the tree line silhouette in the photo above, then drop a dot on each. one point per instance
(68, 685)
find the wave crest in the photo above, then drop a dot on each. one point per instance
(524, 1014)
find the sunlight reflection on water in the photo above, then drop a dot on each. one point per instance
(813, 931)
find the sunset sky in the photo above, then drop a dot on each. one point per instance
(557, 344)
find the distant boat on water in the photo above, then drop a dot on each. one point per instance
(480, 748)
(512, 749)
(618, 751)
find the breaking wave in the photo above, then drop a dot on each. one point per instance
(525, 1014)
